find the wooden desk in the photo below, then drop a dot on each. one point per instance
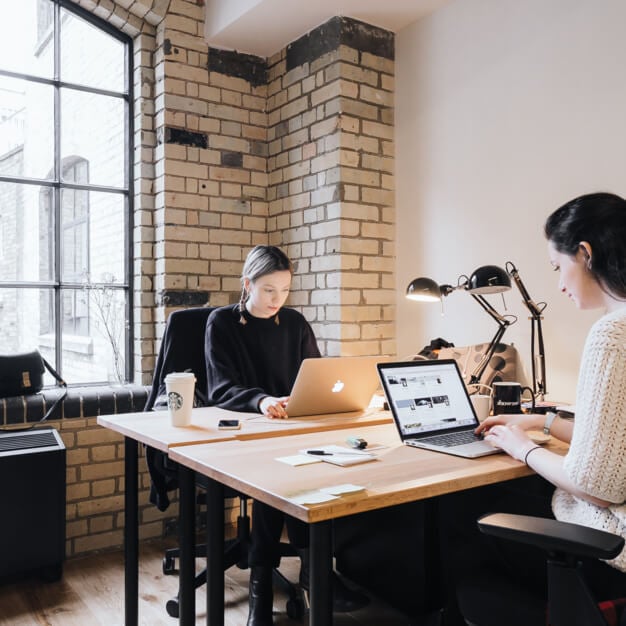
(154, 429)
(402, 474)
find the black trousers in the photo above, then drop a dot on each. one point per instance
(480, 570)
(267, 528)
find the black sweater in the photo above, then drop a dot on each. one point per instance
(246, 362)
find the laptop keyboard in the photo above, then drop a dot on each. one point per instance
(452, 439)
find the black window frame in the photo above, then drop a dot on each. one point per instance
(57, 184)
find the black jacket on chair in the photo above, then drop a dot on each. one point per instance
(182, 349)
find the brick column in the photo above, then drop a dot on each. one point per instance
(330, 165)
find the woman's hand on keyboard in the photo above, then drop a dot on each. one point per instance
(512, 439)
(524, 421)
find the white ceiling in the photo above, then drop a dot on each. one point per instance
(263, 27)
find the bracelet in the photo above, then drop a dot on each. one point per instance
(550, 416)
(531, 450)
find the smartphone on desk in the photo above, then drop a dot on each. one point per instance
(229, 425)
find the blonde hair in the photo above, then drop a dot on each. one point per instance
(261, 260)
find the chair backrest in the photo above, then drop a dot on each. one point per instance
(486, 599)
(182, 348)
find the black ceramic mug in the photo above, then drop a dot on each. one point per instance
(507, 397)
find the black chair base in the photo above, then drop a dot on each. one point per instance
(236, 554)
(296, 605)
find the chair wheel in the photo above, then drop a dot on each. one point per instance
(295, 608)
(171, 606)
(169, 565)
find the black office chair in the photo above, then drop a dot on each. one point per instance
(490, 600)
(182, 348)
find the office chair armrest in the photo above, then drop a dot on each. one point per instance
(552, 535)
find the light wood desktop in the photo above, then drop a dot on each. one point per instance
(401, 474)
(154, 429)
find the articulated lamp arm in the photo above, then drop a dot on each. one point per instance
(503, 324)
(537, 354)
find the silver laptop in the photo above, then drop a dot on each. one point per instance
(431, 407)
(333, 385)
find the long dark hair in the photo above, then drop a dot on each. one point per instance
(600, 219)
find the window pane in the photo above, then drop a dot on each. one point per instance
(26, 129)
(101, 60)
(93, 244)
(26, 37)
(28, 323)
(92, 126)
(96, 355)
(26, 233)
(63, 248)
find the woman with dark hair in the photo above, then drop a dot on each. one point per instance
(253, 353)
(587, 246)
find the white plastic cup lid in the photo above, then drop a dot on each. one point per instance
(173, 376)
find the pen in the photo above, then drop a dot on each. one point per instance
(347, 452)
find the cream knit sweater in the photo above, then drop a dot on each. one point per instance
(596, 460)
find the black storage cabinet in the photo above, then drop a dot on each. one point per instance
(32, 489)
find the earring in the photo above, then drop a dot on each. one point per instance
(589, 263)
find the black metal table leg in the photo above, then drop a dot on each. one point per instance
(131, 533)
(187, 541)
(215, 554)
(321, 557)
(433, 581)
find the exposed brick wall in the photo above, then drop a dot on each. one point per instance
(230, 155)
(129, 16)
(330, 164)
(95, 489)
(232, 151)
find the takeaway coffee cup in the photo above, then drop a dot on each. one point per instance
(179, 387)
(482, 405)
(507, 398)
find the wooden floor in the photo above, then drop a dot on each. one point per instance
(92, 593)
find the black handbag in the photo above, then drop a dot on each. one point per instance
(22, 374)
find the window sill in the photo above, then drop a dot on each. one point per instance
(80, 402)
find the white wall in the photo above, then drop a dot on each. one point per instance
(505, 110)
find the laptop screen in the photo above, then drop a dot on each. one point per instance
(427, 397)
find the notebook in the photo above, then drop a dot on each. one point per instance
(333, 385)
(431, 407)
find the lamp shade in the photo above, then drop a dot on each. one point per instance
(423, 290)
(488, 279)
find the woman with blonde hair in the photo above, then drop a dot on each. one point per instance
(253, 353)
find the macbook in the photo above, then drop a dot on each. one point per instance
(431, 407)
(333, 385)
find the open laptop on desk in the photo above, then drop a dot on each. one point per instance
(333, 385)
(431, 407)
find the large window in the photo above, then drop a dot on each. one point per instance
(65, 189)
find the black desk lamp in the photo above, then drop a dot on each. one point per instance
(537, 352)
(487, 279)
